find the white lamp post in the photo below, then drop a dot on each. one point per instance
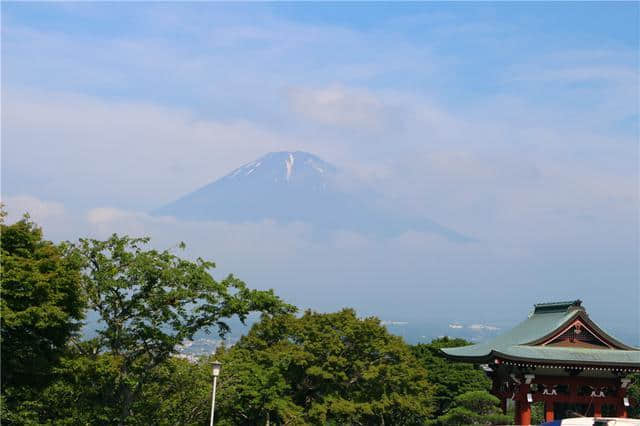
(216, 372)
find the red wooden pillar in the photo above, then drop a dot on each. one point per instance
(548, 411)
(524, 410)
(573, 389)
(621, 409)
(597, 409)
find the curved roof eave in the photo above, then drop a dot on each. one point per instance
(505, 355)
(546, 361)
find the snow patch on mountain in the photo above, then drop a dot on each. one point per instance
(289, 165)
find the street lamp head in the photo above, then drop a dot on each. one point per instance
(216, 368)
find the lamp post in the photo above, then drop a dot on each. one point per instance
(216, 372)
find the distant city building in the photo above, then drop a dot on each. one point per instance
(560, 357)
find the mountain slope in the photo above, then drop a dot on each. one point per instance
(295, 186)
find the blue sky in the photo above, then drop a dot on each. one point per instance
(514, 122)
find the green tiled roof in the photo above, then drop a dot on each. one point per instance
(519, 344)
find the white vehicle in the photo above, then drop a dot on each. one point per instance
(593, 421)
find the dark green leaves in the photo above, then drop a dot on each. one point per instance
(40, 307)
(449, 378)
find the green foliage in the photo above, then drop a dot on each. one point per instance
(480, 402)
(475, 408)
(41, 306)
(180, 394)
(537, 413)
(84, 391)
(323, 369)
(634, 396)
(254, 389)
(150, 301)
(505, 419)
(459, 416)
(449, 378)
(461, 389)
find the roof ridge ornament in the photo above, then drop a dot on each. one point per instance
(565, 306)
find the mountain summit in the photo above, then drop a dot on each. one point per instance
(285, 168)
(284, 186)
(295, 187)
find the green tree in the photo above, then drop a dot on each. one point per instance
(180, 394)
(84, 391)
(254, 389)
(474, 408)
(449, 378)
(41, 306)
(150, 301)
(323, 369)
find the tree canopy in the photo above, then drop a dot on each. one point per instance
(150, 301)
(474, 408)
(323, 369)
(449, 378)
(41, 305)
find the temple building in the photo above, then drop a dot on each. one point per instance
(560, 357)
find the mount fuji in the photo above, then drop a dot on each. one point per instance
(297, 187)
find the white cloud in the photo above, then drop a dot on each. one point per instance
(338, 106)
(39, 210)
(57, 221)
(105, 215)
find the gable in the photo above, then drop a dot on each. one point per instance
(578, 334)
